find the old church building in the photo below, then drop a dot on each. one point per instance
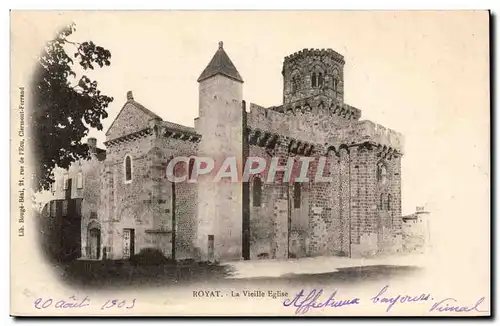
(133, 206)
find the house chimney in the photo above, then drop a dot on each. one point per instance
(130, 96)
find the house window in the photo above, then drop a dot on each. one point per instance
(381, 204)
(257, 191)
(320, 79)
(389, 202)
(297, 197)
(65, 181)
(128, 169)
(79, 180)
(314, 81)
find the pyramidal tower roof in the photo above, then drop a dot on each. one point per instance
(220, 64)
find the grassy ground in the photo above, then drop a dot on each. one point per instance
(106, 273)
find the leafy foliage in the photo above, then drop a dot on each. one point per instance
(65, 104)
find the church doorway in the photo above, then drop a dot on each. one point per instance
(94, 243)
(128, 243)
(211, 248)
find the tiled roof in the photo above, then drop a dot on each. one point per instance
(220, 64)
(167, 124)
(178, 127)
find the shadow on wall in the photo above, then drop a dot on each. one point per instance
(59, 226)
(59, 239)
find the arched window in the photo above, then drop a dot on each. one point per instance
(257, 191)
(381, 205)
(297, 196)
(335, 84)
(295, 83)
(389, 202)
(381, 173)
(128, 169)
(317, 76)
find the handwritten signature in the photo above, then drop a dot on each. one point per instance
(444, 306)
(304, 302)
(399, 298)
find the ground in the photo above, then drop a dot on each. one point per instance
(311, 271)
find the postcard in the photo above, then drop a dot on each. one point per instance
(250, 163)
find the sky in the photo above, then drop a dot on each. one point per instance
(424, 74)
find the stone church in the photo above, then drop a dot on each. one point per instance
(132, 206)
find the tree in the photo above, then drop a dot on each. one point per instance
(64, 105)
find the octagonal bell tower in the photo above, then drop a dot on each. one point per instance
(312, 72)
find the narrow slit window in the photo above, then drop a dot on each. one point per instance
(128, 168)
(381, 173)
(297, 195)
(295, 83)
(190, 168)
(257, 192)
(320, 79)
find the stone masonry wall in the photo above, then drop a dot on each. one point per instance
(186, 198)
(343, 215)
(129, 120)
(261, 217)
(376, 223)
(91, 194)
(131, 202)
(146, 204)
(365, 242)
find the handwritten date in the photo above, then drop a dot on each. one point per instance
(74, 303)
(119, 304)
